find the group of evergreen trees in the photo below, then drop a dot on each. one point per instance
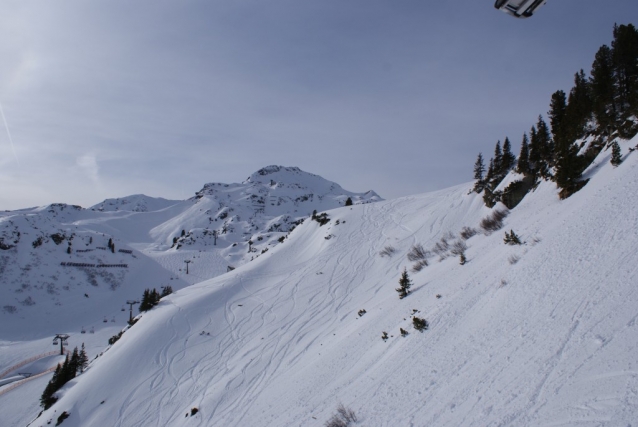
(602, 107)
(151, 297)
(64, 373)
(111, 245)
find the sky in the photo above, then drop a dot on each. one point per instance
(110, 98)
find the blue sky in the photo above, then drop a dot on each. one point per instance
(111, 98)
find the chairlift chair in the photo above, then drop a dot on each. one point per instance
(123, 309)
(83, 331)
(519, 8)
(113, 320)
(105, 321)
(55, 342)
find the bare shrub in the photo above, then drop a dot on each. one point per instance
(458, 248)
(467, 232)
(418, 253)
(387, 251)
(343, 418)
(494, 222)
(420, 265)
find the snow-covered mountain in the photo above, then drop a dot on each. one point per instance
(59, 273)
(542, 333)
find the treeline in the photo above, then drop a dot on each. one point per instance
(64, 373)
(597, 110)
(151, 297)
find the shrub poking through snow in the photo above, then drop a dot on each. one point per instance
(420, 265)
(194, 411)
(511, 238)
(362, 312)
(404, 285)
(387, 251)
(417, 253)
(343, 418)
(403, 332)
(467, 232)
(462, 259)
(384, 336)
(420, 324)
(494, 222)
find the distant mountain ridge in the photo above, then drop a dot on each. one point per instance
(52, 256)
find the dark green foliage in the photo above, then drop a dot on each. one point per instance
(47, 399)
(514, 193)
(479, 171)
(508, 159)
(322, 218)
(403, 332)
(37, 242)
(616, 154)
(420, 324)
(523, 159)
(625, 60)
(348, 201)
(63, 416)
(404, 285)
(150, 299)
(603, 91)
(512, 239)
(83, 360)
(115, 338)
(63, 373)
(384, 336)
(194, 411)
(166, 290)
(58, 238)
(68, 250)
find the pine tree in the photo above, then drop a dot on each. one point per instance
(498, 162)
(166, 290)
(616, 154)
(579, 109)
(74, 362)
(83, 361)
(508, 159)
(47, 399)
(603, 90)
(479, 170)
(522, 165)
(556, 115)
(625, 59)
(145, 303)
(348, 201)
(404, 285)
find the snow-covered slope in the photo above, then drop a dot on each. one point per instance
(58, 273)
(539, 334)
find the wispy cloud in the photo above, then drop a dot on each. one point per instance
(88, 164)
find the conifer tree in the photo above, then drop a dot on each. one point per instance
(348, 201)
(579, 109)
(47, 399)
(498, 161)
(616, 154)
(479, 170)
(625, 59)
(508, 159)
(522, 165)
(145, 303)
(83, 361)
(404, 285)
(603, 90)
(556, 114)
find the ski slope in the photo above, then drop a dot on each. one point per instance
(539, 334)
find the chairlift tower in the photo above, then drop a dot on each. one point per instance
(62, 338)
(130, 303)
(188, 261)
